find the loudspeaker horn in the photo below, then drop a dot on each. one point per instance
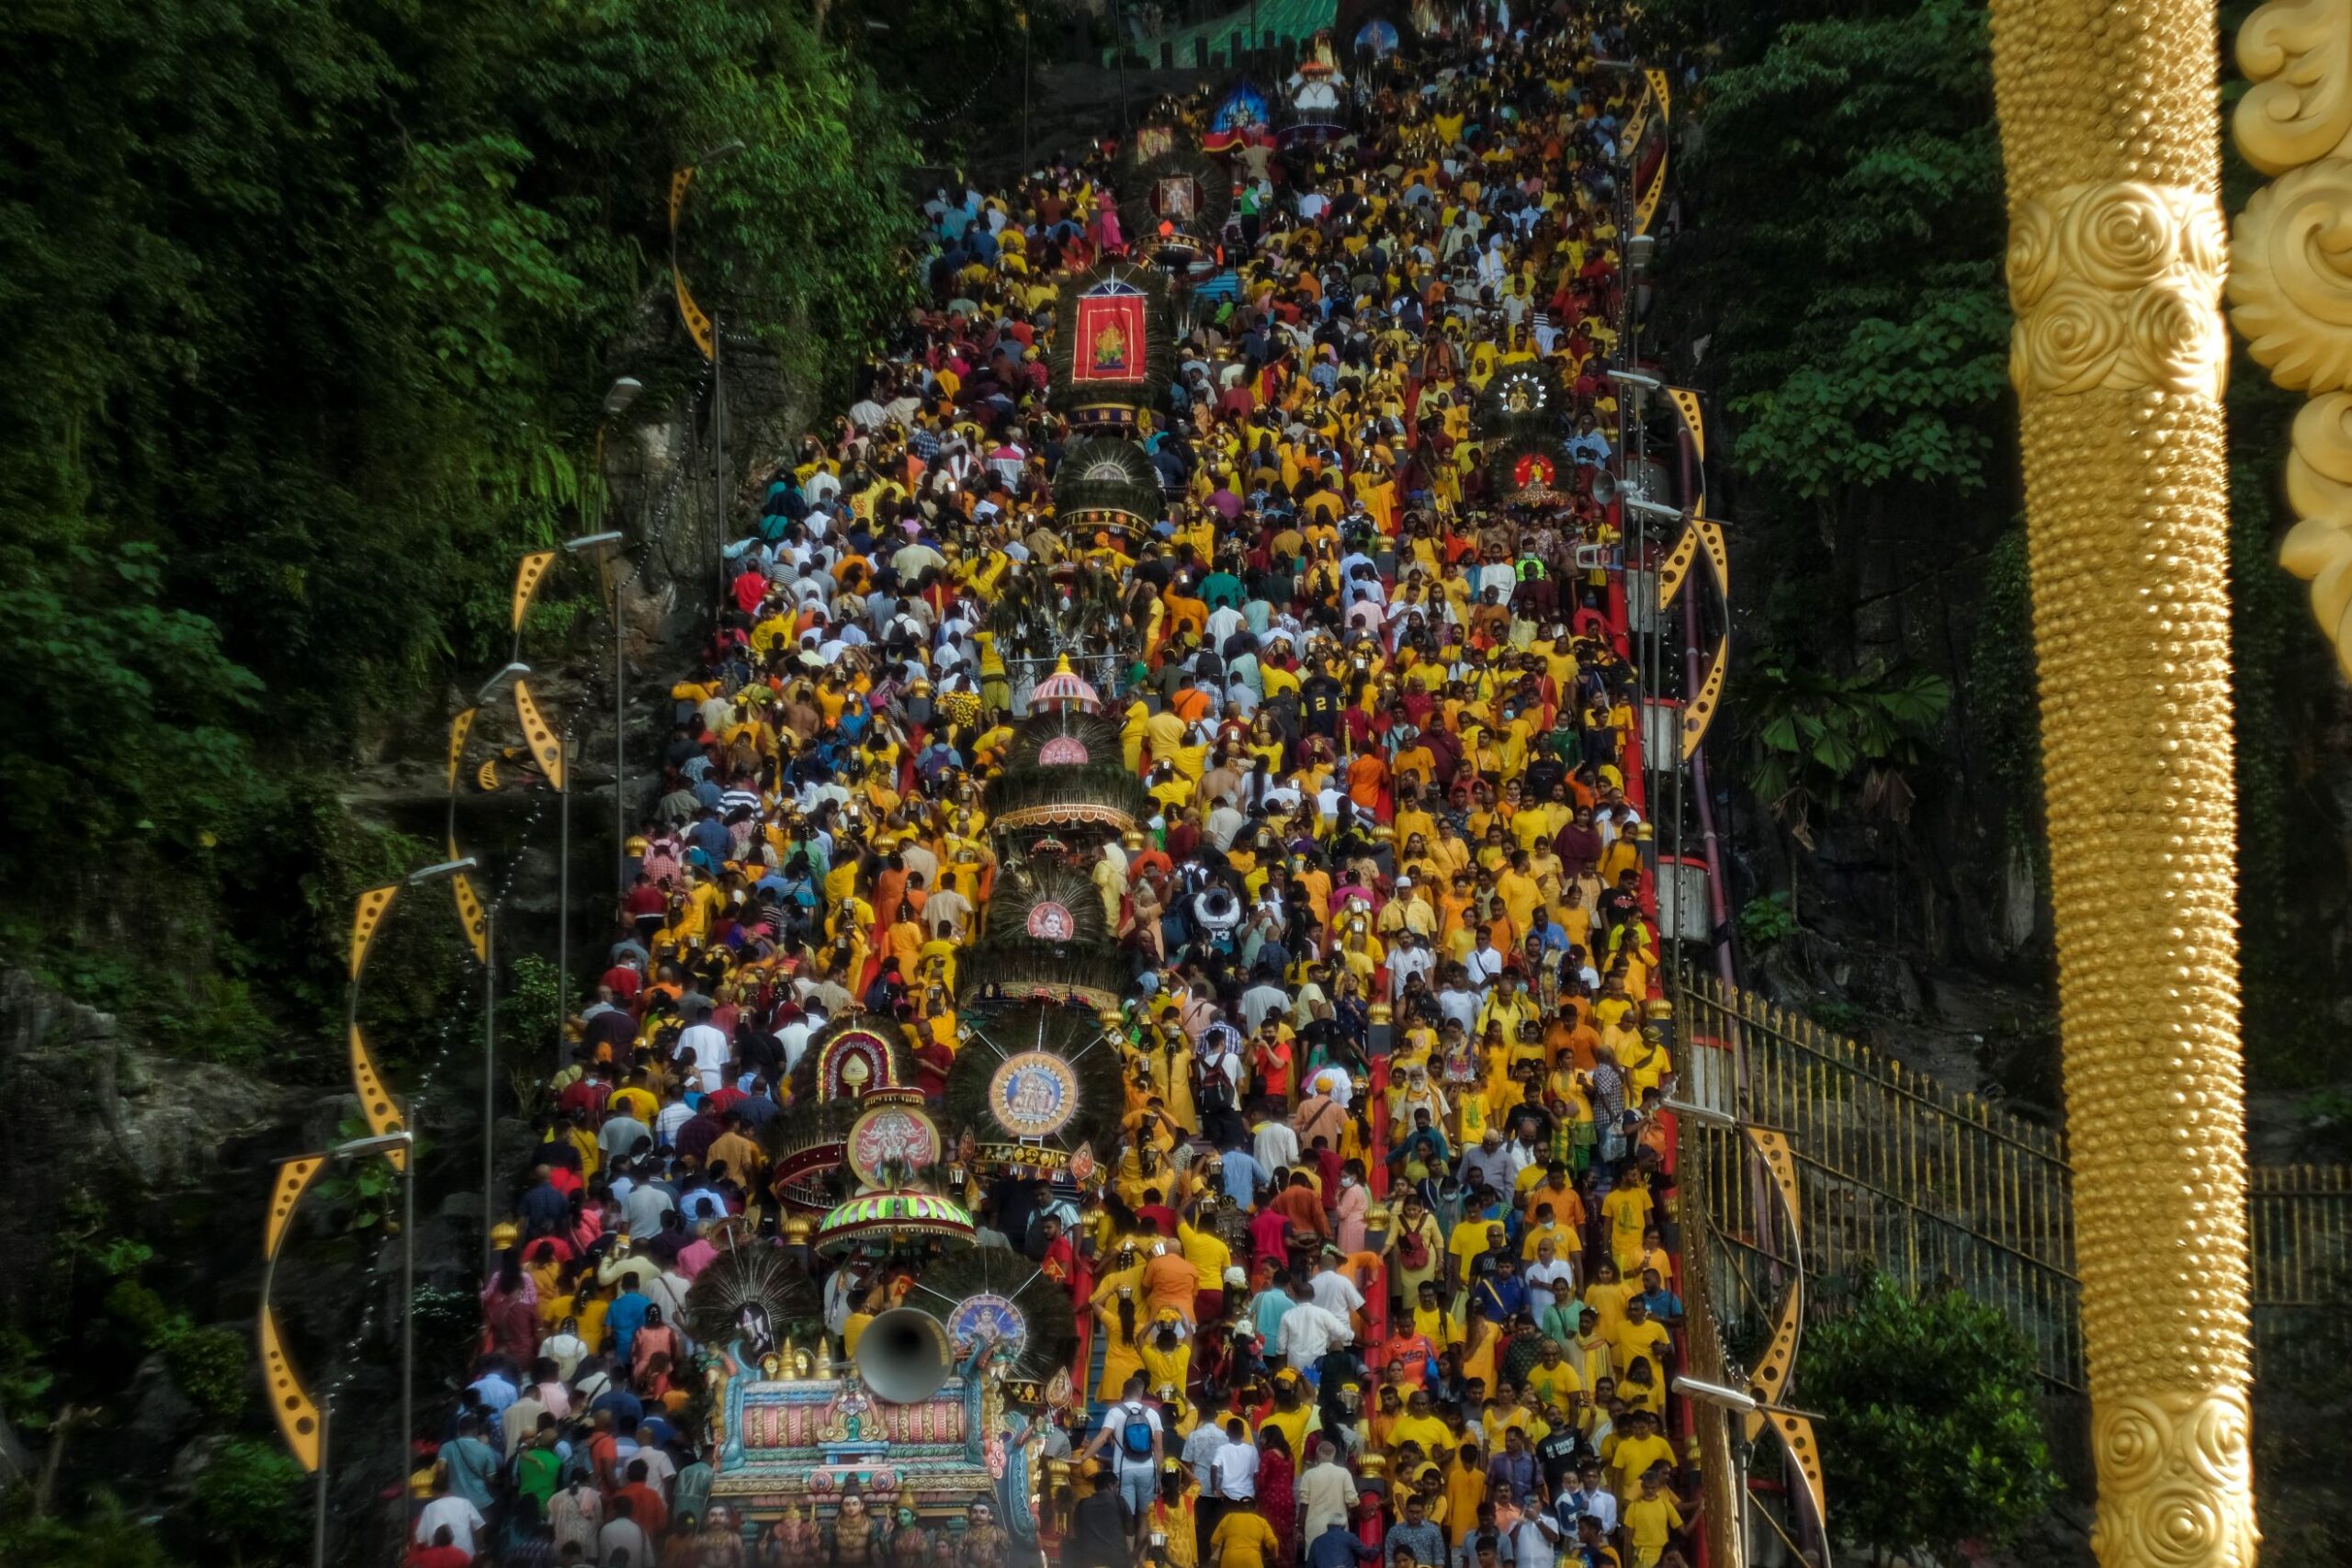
(904, 1356)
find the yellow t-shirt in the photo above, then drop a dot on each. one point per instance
(1648, 1522)
(1242, 1540)
(1427, 1430)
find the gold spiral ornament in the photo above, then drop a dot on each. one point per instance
(2290, 280)
(2117, 284)
(2300, 108)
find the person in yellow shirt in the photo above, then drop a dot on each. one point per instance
(1640, 1337)
(1553, 1379)
(1627, 1211)
(1242, 1539)
(1650, 1518)
(1632, 1448)
(1418, 1426)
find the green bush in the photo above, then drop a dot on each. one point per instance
(249, 1500)
(1931, 1431)
(1763, 922)
(209, 1364)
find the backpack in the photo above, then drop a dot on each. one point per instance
(1134, 1432)
(1413, 1250)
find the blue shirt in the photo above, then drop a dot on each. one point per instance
(1267, 1313)
(1243, 1176)
(1338, 1547)
(625, 1317)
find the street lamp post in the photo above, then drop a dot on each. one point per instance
(599, 548)
(357, 1148)
(423, 876)
(705, 331)
(1737, 1404)
(491, 688)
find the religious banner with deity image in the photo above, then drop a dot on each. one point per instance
(1110, 336)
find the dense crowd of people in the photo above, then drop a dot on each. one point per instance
(1384, 1268)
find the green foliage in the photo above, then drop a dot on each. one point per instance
(1844, 1020)
(1937, 1417)
(209, 1364)
(104, 1534)
(311, 308)
(1766, 920)
(250, 1500)
(364, 1193)
(529, 1007)
(2002, 682)
(1864, 326)
(1811, 734)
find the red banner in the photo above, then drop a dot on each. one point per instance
(1110, 341)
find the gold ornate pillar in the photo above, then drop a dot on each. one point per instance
(2110, 132)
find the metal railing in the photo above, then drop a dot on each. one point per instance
(1939, 1188)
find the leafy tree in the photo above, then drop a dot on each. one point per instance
(1932, 1427)
(1812, 736)
(310, 309)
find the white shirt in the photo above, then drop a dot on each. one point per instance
(1274, 1144)
(1234, 1466)
(1335, 1294)
(1307, 1331)
(462, 1517)
(708, 1046)
(1115, 1422)
(1546, 1283)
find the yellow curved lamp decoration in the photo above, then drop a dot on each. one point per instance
(1771, 1377)
(459, 729)
(545, 748)
(1711, 539)
(1686, 404)
(1645, 210)
(471, 914)
(697, 322)
(1676, 566)
(367, 918)
(375, 1100)
(528, 573)
(297, 1412)
(1701, 713)
(294, 1177)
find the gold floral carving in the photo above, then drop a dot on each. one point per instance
(2290, 283)
(2318, 549)
(2117, 285)
(2174, 1482)
(2300, 107)
(2290, 277)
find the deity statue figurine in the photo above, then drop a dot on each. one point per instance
(855, 1536)
(909, 1543)
(793, 1541)
(985, 1543)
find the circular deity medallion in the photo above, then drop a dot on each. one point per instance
(988, 1315)
(1049, 922)
(1534, 471)
(1034, 1095)
(1062, 751)
(892, 1135)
